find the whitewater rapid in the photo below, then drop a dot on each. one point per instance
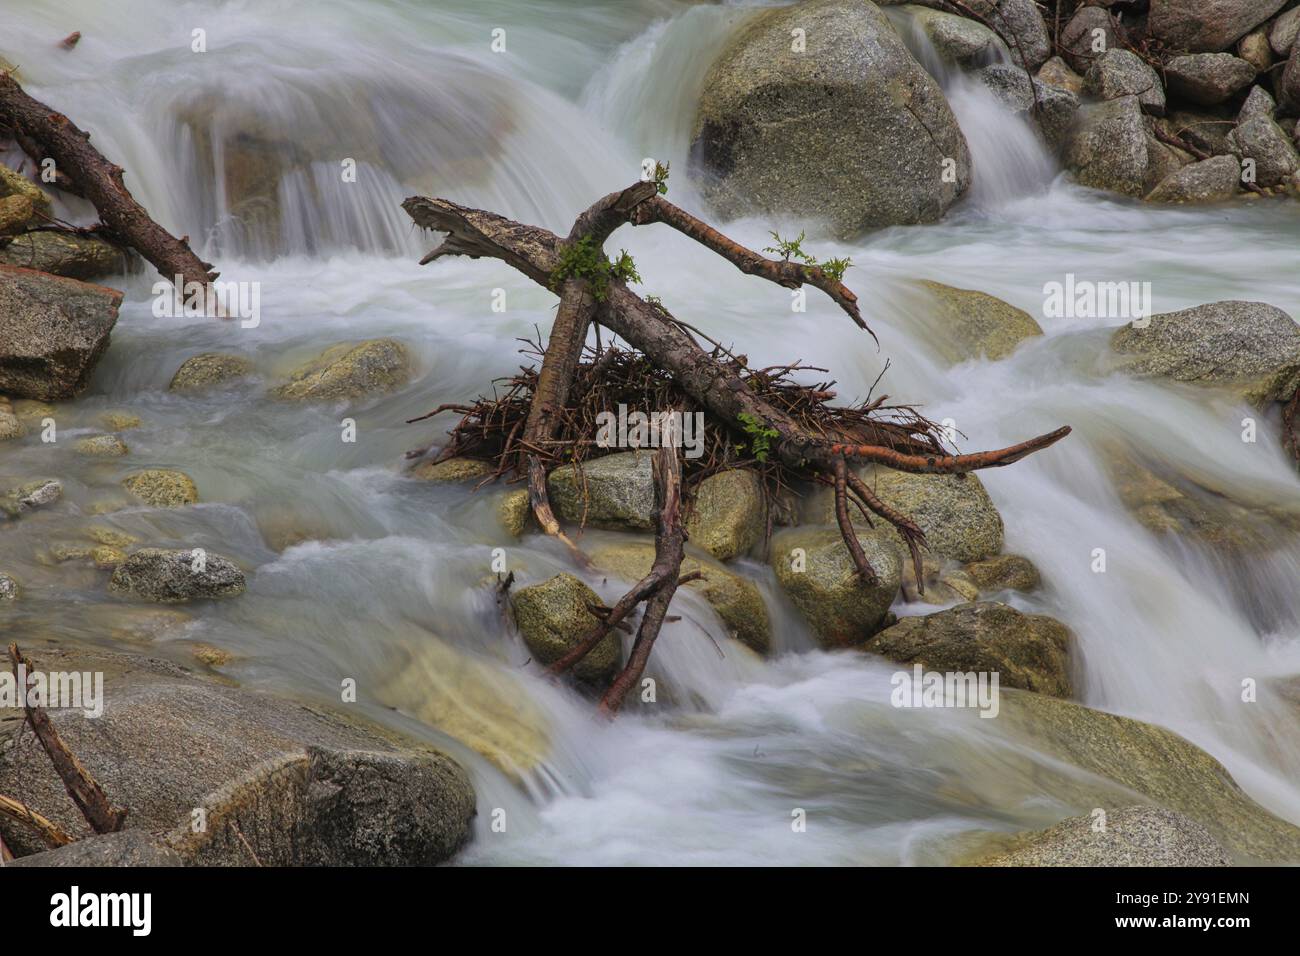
(414, 93)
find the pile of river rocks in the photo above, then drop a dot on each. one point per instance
(820, 109)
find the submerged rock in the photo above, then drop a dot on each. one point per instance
(486, 708)
(1130, 836)
(850, 130)
(162, 487)
(816, 572)
(615, 492)
(350, 370)
(728, 516)
(1029, 651)
(453, 470)
(31, 495)
(736, 599)
(554, 616)
(968, 324)
(208, 369)
(9, 589)
(280, 783)
(101, 446)
(172, 576)
(52, 332)
(11, 426)
(1154, 762)
(1004, 572)
(1250, 347)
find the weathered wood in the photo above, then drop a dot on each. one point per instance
(48, 830)
(652, 330)
(84, 790)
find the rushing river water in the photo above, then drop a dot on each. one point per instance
(390, 587)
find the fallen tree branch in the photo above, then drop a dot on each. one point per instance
(720, 387)
(84, 790)
(100, 181)
(48, 830)
(670, 545)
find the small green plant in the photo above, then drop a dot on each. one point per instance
(760, 436)
(789, 249)
(583, 260)
(661, 177)
(835, 268)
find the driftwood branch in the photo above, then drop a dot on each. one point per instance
(48, 830)
(51, 134)
(718, 387)
(670, 546)
(84, 790)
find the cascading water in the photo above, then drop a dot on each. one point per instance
(390, 588)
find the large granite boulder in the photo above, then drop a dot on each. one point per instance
(229, 777)
(850, 129)
(52, 332)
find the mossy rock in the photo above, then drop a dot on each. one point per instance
(966, 324)
(1028, 651)
(955, 512)
(817, 573)
(210, 368)
(485, 708)
(162, 487)
(349, 370)
(64, 254)
(1152, 761)
(453, 470)
(554, 616)
(737, 600)
(615, 492)
(16, 184)
(1004, 572)
(727, 517)
(515, 509)
(101, 446)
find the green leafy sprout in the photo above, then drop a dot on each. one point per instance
(661, 177)
(583, 260)
(760, 436)
(789, 249)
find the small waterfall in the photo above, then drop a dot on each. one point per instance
(1008, 157)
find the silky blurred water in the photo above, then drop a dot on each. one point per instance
(414, 94)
